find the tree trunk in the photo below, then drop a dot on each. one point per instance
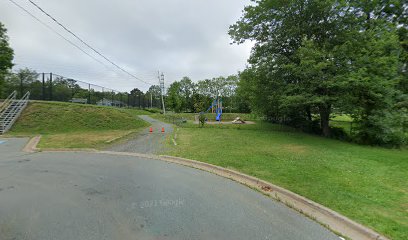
(309, 114)
(325, 110)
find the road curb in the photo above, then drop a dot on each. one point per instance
(325, 216)
(31, 146)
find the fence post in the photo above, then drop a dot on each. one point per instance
(89, 93)
(43, 87)
(21, 86)
(50, 87)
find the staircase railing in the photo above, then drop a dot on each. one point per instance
(14, 112)
(6, 102)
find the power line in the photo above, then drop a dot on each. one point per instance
(91, 72)
(86, 44)
(60, 35)
(53, 30)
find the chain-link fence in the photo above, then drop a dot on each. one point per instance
(53, 87)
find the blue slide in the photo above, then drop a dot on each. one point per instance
(218, 118)
(218, 111)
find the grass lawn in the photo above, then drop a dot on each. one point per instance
(343, 121)
(367, 184)
(67, 125)
(210, 116)
(342, 117)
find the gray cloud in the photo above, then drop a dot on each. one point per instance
(179, 37)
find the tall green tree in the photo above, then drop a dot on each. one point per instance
(136, 98)
(313, 57)
(23, 80)
(154, 95)
(290, 36)
(373, 88)
(6, 56)
(175, 100)
(187, 89)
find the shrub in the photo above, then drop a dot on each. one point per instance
(202, 118)
(383, 128)
(339, 133)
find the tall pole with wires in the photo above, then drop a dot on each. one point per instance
(161, 80)
(151, 100)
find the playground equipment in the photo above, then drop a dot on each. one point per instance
(216, 107)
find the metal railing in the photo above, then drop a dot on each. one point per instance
(6, 102)
(12, 112)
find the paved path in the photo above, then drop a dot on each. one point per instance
(88, 196)
(146, 142)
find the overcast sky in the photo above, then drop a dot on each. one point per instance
(178, 37)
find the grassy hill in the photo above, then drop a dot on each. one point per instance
(67, 125)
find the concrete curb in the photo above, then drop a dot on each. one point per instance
(31, 146)
(327, 217)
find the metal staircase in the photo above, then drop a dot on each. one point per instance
(11, 109)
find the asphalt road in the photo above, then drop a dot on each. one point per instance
(145, 141)
(97, 196)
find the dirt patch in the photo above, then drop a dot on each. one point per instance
(295, 148)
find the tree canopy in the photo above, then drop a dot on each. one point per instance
(188, 96)
(6, 55)
(315, 58)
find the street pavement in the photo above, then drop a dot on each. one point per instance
(89, 196)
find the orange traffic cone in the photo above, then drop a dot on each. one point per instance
(162, 129)
(151, 130)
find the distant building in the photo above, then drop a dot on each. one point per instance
(110, 103)
(79, 100)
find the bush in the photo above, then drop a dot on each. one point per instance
(202, 118)
(339, 133)
(383, 128)
(154, 110)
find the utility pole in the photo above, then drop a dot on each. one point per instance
(89, 93)
(151, 100)
(50, 86)
(43, 86)
(161, 80)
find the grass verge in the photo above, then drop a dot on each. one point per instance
(367, 184)
(66, 125)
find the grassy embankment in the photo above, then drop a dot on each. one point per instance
(367, 184)
(67, 125)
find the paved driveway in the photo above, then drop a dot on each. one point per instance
(145, 141)
(97, 196)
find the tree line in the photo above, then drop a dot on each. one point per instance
(188, 96)
(313, 59)
(52, 87)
